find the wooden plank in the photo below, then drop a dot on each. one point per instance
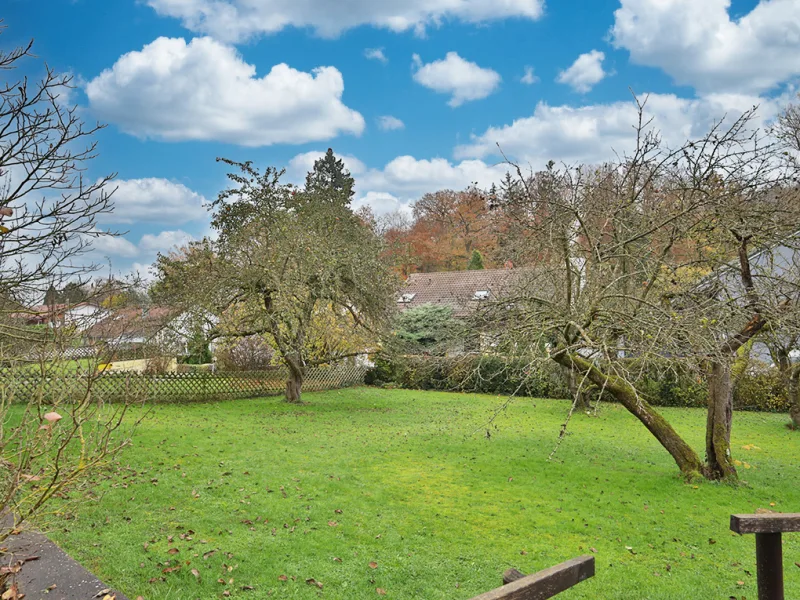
(512, 575)
(766, 523)
(545, 584)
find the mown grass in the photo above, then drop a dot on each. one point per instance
(410, 482)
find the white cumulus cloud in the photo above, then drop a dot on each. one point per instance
(390, 123)
(164, 241)
(376, 54)
(529, 78)
(463, 80)
(698, 42)
(404, 179)
(110, 246)
(237, 20)
(593, 133)
(152, 200)
(586, 72)
(203, 90)
(303, 163)
(381, 203)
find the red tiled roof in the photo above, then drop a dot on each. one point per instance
(456, 289)
(132, 322)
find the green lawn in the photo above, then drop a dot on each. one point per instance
(400, 480)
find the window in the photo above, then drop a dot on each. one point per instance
(481, 295)
(406, 298)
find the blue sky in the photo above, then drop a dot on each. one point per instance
(180, 82)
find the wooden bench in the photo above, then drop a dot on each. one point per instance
(544, 584)
(768, 528)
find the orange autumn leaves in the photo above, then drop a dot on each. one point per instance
(446, 228)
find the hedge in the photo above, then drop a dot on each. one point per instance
(759, 389)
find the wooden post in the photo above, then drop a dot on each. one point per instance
(768, 528)
(769, 566)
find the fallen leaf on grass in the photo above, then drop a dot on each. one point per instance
(282, 578)
(381, 591)
(173, 551)
(312, 581)
(332, 524)
(196, 573)
(11, 593)
(338, 511)
(373, 565)
(740, 583)
(337, 559)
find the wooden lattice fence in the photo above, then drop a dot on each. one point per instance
(173, 387)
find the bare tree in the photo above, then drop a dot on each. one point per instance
(48, 205)
(651, 262)
(783, 347)
(53, 430)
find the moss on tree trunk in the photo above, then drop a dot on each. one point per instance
(685, 457)
(719, 464)
(294, 383)
(793, 391)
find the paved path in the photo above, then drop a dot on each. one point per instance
(53, 568)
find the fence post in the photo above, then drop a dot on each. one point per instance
(768, 528)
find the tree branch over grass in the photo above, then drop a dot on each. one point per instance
(664, 255)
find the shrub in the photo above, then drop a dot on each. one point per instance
(471, 373)
(382, 373)
(251, 353)
(760, 388)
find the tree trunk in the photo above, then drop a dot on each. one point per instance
(579, 394)
(687, 459)
(793, 391)
(294, 383)
(719, 422)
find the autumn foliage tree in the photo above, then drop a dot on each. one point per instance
(447, 227)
